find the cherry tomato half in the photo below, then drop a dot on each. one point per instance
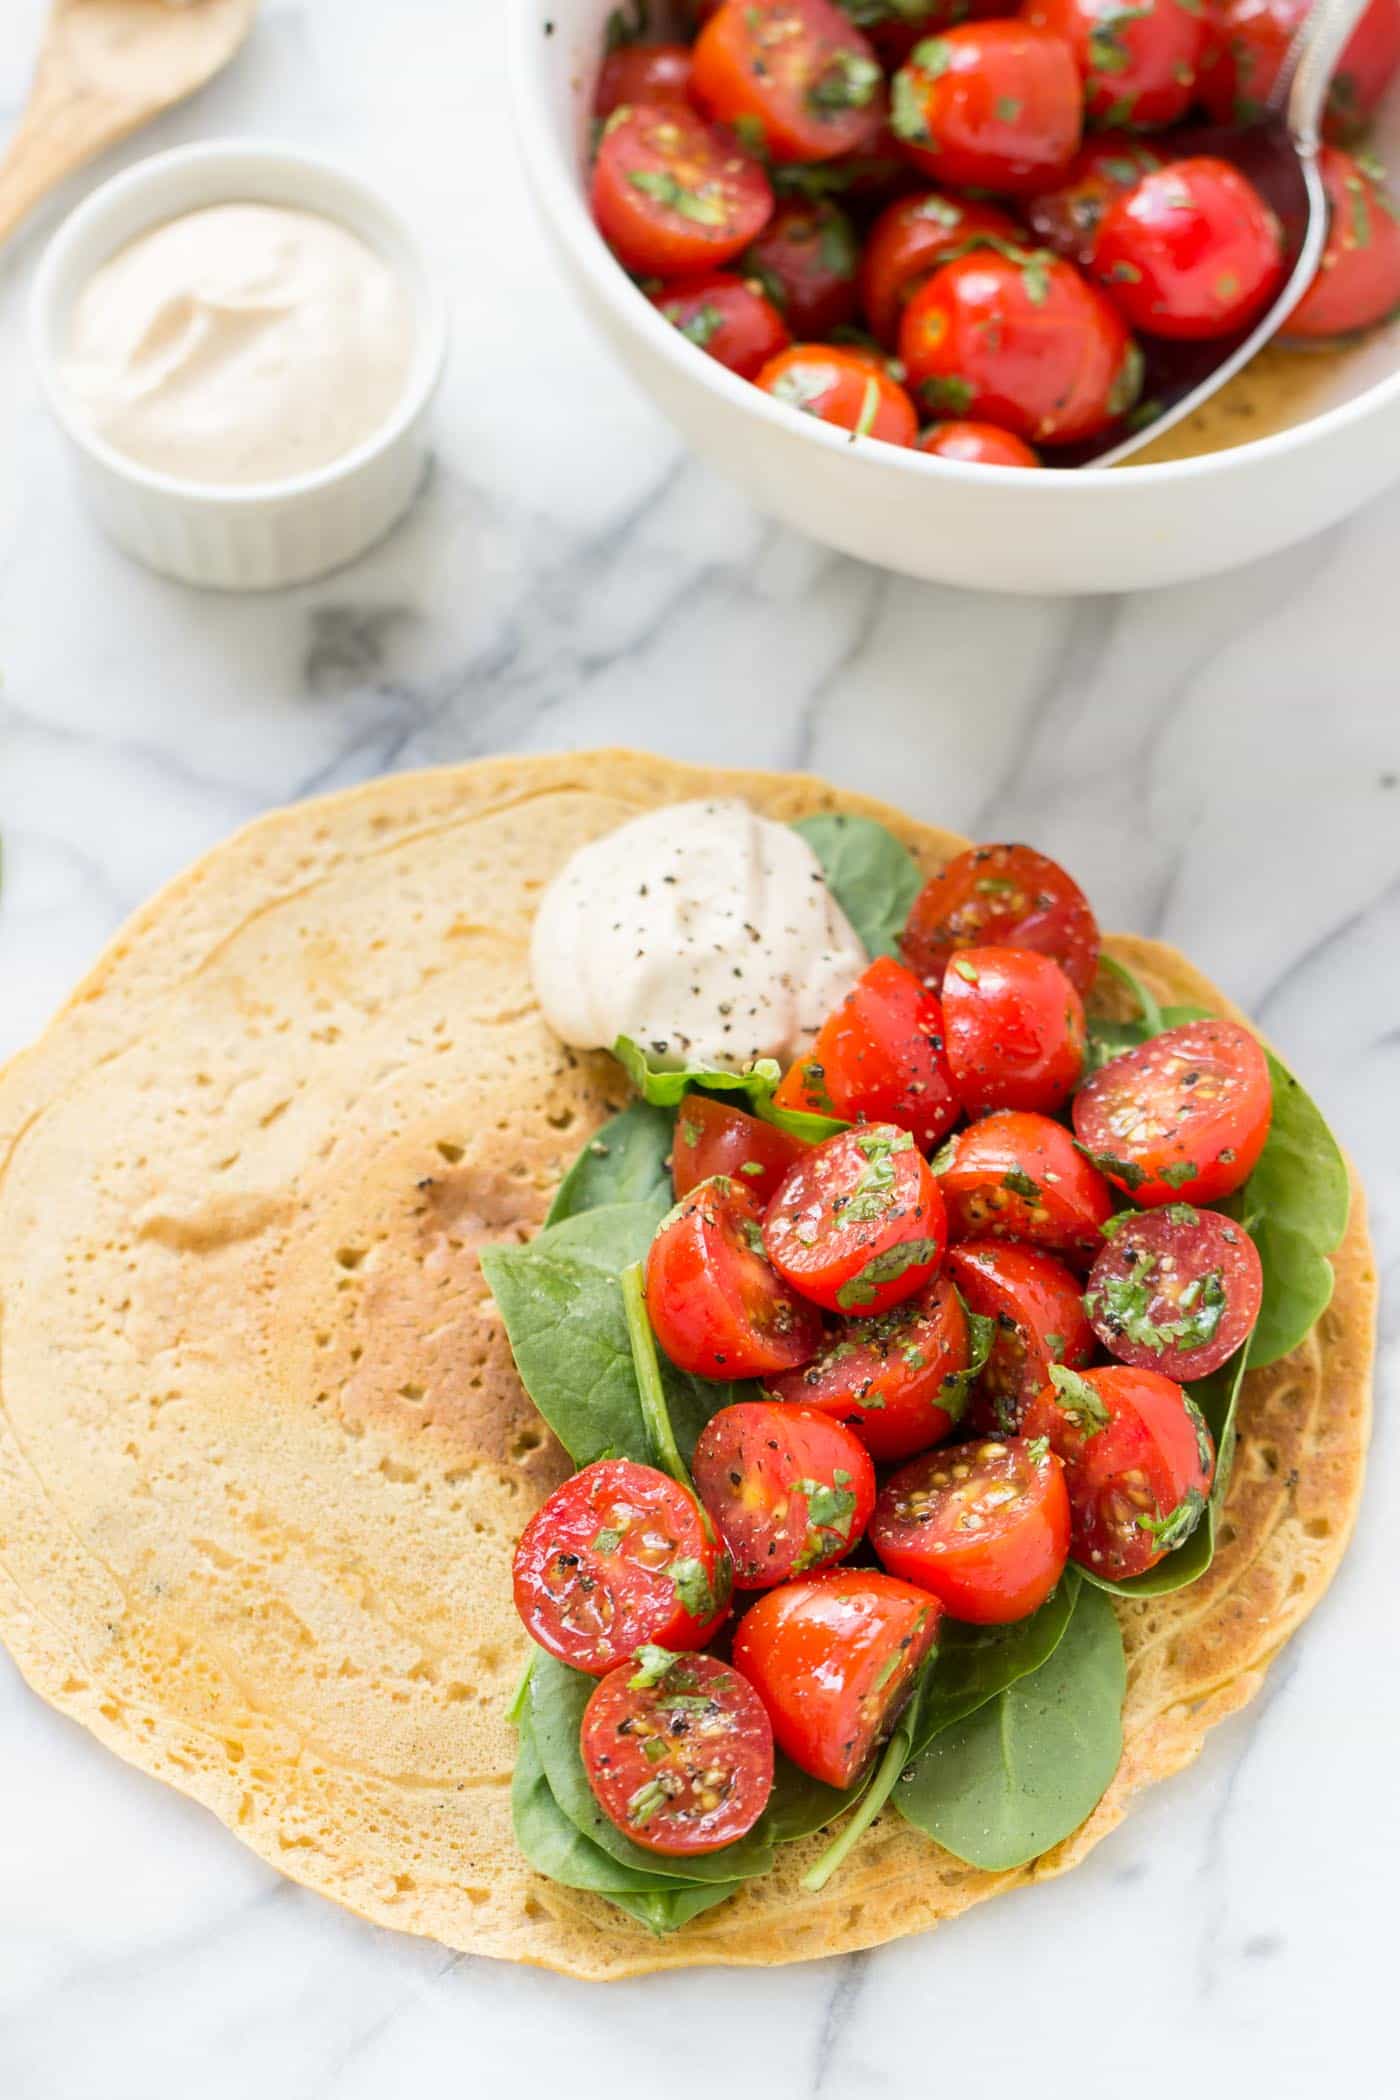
(1139, 63)
(977, 445)
(908, 240)
(1139, 1462)
(990, 106)
(1014, 1176)
(1358, 280)
(1182, 1118)
(636, 73)
(846, 387)
(1002, 897)
(673, 195)
(858, 1224)
(985, 1526)
(1192, 252)
(795, 75)
(712, 1138)
(727, 317)
(1040, 1321)
(1175, 1290)
(717, 1307)
(683, 1764)
(619, 1555)
(806, 260)
(895, 1380)
(1014, 1028)
(788, 1489)
(833, 1659)
(1067, 219)
(880, 1059)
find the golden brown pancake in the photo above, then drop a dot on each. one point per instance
(263, 1452)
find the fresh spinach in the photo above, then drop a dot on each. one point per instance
(665, 1088)
(555, 1846)
(1296, 1205)
(627, 1161)
(1023, 1770)
(976, 1663)
(872, 877)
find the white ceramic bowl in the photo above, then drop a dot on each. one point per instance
(1105, 529)
(274, 533)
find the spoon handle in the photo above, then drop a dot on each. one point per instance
(1305, 77)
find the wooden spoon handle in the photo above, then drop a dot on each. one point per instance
(68, 120)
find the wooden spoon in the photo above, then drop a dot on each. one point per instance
(105, 68)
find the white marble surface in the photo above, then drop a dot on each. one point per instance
(1219, 764)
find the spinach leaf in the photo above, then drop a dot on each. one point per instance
(626, 1162)
(674, 1907)
(872, 877)
(975, 1663)
(1011, 1779)
(551, 1842)
(665, 1088)
(1296, 1204)
(799, 1804)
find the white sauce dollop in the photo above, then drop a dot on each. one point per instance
(705, 933)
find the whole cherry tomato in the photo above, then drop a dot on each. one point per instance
(1182, 1118)
(1022, 340)
(673, 195)
(858, 1224)
(833, 1659)
(619, 1555)
(1067, 218)
(896, 26)
(678, 1752)
(990, 106)
(1139, 61)
(794, 78)
(1040, 1321)
(728, 317)
(717, 1306)
(1250, 39)
(896, 1380)
(977, 445)
(880, 1059)
(908, 240)
(1013, 1176)
(648, 73)
(1002, 897)
(1192, 252)
(1358, 281)
(1175, 1290)
(806, 259)
(847, 387)
(788, 1489)
(1014, 1028)
(712, 1138)
(985, 1526)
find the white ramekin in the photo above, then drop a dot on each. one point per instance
(273, 533)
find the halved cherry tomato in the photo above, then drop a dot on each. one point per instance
(1040, 1321)
(619, 1555)
(1175, 1290)
(985, 1526)
(712, 1138)
(879, 1058)
(1182, 1118)
(1014, 1176)
(1021, 339)
(833, 1659)
(788, 1489)
(1251, 39)
(1014, 1028)
(728, 318)
(806, 260)
(717, 1307)
(990, 106)
(649, 73)
(908, 240)
(1192, 252)
(1139, 1462)
(846, 387)
(795, 74)
(1067, 218)
(673, 195)
(1002, 897)
(1358, 280)
(1139, 62)
(896, 1380)
(680, 1758)
(858, 1224)
(977, 445)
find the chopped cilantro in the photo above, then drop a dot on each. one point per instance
(1079, 1400)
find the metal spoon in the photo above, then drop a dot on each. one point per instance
(1279, 156)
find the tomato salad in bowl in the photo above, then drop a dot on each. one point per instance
(887, 1363)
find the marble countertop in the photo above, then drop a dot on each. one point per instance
(569, 579)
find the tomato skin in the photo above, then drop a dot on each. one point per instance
(1250, 40)
(1138, 1456)
(624, 1721)
(593, 1573)
(858, 1225)
(1193, 252)
(716, 1306)
(1014, 1027)
(796, 70)
(1358, 281)
(1002, 897)
(1135, 1289)
(1021, 340)
(880, 1058)
(806, 259)
(846, 387)
(1005, 1563)
(1067, 218)
(649, 73)
(714, 1139)
(908, 240)
(990, 106)
(818, 1653)
(728, 318)
(750, 1467)
(1182, 1118)
(1039, 1312)
(1139, 67)
(977, 445)
(885, 1378)
(642, 151)
(1014, 1176)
